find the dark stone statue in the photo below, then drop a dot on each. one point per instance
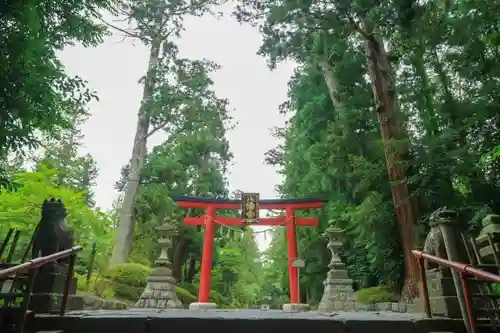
(434, 243)
(52, 233)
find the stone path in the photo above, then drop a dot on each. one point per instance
(248, 314)
(243, 321)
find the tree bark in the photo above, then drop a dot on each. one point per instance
(338, 104)
(179, 256)
(331, 82)
(191, 271)
(126, 223)
(391, 131)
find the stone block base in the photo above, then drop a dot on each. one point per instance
(443, 306)
(51, 303)
(93, 302)
(52, 279)
(202, 306)
(296, 307)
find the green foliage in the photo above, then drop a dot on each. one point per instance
(71, 169)
(496, 152)
(185, 296)
(98, 285)
(128, 280)
(81, 282)
(130, 273)
(377, 294)
(20, 209)
(37, 95)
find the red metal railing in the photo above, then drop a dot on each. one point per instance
(464, 270)
(31, 267)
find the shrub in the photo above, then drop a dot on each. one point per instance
(81, 282)
(102, 287)
(376, 294)
(128, 280)
(98, 285)
(132, 274)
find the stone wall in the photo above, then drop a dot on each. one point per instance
(356, 306)
(92, 302)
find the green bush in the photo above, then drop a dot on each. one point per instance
(132, 274)
(128, 280)
(376, 294)
(98, 285)
(102, 287)
(81, 282)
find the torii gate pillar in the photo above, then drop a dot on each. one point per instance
(206, 256)
(291, 239)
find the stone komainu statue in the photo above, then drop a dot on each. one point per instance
(52, 233)
(434, 243)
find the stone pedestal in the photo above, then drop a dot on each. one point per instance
(442, 294)
(338, 294)
(296, 307)
(488, 240)
(52, 279)
(160, 290)
(48, 290)
(202, 306)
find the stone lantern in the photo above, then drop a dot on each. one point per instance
(338, 294)
(160, 290)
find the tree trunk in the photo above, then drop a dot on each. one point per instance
(126, 223)
(391, 131)
(331, 82)
(191, 271)
(179, 255)
(337, 101)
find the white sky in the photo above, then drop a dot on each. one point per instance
(114, 68)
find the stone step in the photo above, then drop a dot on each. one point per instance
(242, 321)
(488, 295)
(486, 312)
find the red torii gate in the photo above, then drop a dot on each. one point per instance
(211, 205)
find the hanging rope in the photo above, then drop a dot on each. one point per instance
(253, 231)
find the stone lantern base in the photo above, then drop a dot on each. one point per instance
(160, 291)
(338, 293)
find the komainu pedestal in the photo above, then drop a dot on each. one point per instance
(48, 290)
(338, 294)
(160, 290)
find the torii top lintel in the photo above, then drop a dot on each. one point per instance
(287, 204)
(202, 202)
